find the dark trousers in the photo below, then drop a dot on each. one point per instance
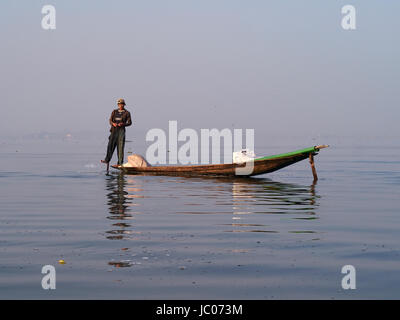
(116, 139)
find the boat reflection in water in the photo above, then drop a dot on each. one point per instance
(254, 201)
(264, 196)
(281, 197)
(247, 205)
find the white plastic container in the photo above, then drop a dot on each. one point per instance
(243, 155)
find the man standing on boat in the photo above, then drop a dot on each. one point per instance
(120, 118)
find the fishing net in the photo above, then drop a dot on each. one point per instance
(136, 160)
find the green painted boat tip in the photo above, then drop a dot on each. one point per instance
(293, 153)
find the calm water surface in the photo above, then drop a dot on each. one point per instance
(277, 236)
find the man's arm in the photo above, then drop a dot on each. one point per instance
(112, 118)
(128, 121)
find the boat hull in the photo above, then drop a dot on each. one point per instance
(261, 166)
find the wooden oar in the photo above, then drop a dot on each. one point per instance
(314, 172)
(311, 157)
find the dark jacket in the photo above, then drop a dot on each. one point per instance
(126, 119)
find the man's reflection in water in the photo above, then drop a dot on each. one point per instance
(118, 203)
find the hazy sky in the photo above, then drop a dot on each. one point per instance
(277, 66)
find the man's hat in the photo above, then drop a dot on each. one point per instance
(121, 101)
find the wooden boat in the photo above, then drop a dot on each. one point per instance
(260, 166)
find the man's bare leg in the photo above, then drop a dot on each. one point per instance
(107, 163)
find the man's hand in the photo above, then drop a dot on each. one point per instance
(114, 124)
